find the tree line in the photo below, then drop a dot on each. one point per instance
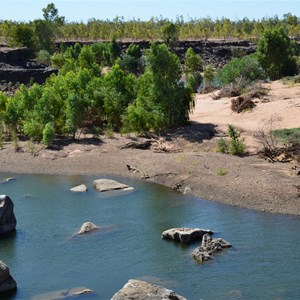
(40, 34)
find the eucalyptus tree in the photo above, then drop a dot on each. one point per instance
(162, 100)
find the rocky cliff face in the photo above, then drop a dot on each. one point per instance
(15, 64)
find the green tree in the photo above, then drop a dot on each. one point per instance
(192, 62)
(23, 35)
(170, 34)
(275, 52)
(209, 75)
(162, 101)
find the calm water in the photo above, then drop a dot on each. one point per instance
(263, 264)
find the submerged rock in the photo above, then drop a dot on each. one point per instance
(104, 185)
(74, 293)
(88, 227)
(138, 289)
(79, 188)
(185, 235)
(8, 220)
(7, 283)
(208, 247)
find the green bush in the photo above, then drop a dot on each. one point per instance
(194, 81)
(288, 136)
(276, 53)
(48, 134)
(237, 145)
(43, 57)
(222, 146)
(246, 67)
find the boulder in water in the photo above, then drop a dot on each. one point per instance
(8, 220)
(79, 188)
(208, 247)
(104, 185)
(88, 227)
(138, 289)
(7, 283)
(185, 235)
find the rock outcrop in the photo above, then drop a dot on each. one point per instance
(185, 235)
(7, 283)
(104, 185)
(8, 220)
(16, 66)
(138, 289)
(208, 247)
(79, 188)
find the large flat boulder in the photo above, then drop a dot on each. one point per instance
(185, 235)
(8, 220)
(104, 185)
(7, 283)
(208, 247)
(142, 290)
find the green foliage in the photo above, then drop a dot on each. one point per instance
(114, 51)
(222, 171)
(48, 134)
(43, 57)
(276, 52)
(50, 12)
(235, 146)
(246, 67)
(162, 101)
(193, 62)
(209, 75)
(222, 146)
(23, 36)
(44, 35)
(170, 34)
(132, 60)
(58, 60)
(194, 81)
(15, 141)
(287, 136)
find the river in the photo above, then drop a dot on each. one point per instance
(44, 256)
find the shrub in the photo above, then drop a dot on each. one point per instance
(237, 145)
(222, 171)
(288, 136)
(43, 57)
(246, 67)
(48, 134)
(194, 81)
(222, 146)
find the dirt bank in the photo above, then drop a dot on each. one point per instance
(189, 159)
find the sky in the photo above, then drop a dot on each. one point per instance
(80, 10)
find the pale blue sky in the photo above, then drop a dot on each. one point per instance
(78, 10)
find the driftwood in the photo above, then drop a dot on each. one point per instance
(143, 145)
(136, 170)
